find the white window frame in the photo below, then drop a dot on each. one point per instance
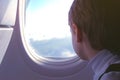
(49, 67)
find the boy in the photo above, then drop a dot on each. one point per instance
(95, 29)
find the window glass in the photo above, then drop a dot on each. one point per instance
(47, 30)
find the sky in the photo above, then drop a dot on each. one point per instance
(46, 19)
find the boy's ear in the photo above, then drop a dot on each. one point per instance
(77, 32)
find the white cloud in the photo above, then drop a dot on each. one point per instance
(67, 53)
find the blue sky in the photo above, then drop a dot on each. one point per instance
(35, 4)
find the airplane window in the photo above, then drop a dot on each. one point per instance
(47, 29)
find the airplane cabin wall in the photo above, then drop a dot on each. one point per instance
(15, 65)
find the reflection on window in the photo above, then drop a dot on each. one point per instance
(47, 30)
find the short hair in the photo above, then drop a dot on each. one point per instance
(100, 20)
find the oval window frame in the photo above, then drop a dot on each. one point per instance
(48, 66)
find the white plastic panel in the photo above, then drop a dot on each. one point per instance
(5, 36)
(8, 12)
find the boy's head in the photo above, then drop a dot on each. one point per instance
(99, 20)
